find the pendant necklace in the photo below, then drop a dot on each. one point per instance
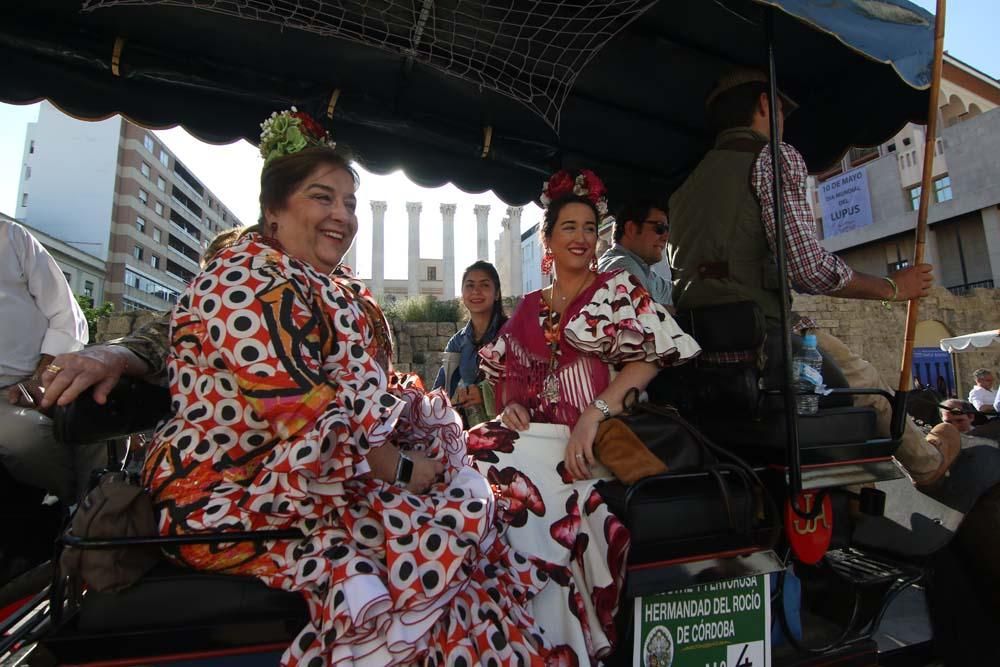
(553, 331)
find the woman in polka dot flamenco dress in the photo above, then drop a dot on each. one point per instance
(562, 363)
(284, 418)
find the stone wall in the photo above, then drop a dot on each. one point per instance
(419, 346)
(876, 333)
(121, 324)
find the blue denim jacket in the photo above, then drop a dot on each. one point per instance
(464, 342)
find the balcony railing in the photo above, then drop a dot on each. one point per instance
(156, 301)
(964, 290)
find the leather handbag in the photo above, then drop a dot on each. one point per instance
(117, 507)
(680, 448)
(658, 434)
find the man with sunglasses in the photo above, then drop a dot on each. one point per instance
(641, 232)
(957, 413)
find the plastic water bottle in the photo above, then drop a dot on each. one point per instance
(474, 414)
(808, 366)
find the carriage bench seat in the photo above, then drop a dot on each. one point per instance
(174, 607)
(678, 516)
(832, 435)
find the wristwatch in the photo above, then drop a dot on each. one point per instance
(404, 470)
(602, 405)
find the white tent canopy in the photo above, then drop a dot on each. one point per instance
(981, 339)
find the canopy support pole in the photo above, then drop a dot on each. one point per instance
(793, 459)
(930, 137)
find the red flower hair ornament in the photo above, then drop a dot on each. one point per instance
(585, 184)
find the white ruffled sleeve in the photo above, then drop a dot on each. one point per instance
(622, 324)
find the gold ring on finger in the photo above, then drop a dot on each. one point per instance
(53, 368)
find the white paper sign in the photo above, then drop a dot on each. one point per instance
(847, 205)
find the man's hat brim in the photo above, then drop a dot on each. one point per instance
(741, 76)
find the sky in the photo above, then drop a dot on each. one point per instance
(232, 171)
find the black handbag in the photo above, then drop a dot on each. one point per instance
(684, 449)
(667, 435)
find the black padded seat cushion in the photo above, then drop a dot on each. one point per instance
(170, 596)
(683, 515)
(829, 436)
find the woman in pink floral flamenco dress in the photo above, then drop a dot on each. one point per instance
(562, 363)
(284, 418)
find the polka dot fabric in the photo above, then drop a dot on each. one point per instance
(278, 395)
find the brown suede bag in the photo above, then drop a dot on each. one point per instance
(624, 454)
(116, 507)
(650, 439)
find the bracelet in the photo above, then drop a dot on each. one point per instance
(895, 291)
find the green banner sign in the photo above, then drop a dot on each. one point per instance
(723, 624)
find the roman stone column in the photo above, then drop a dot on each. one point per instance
(351, 257)
(515, 286)
(482, 230)
(378, 247)
(448, 249)
(413, 260)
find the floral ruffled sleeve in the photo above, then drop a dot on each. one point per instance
(622, 324)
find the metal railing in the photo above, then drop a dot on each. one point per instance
(966, 289)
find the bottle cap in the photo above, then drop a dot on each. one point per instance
(809, 340)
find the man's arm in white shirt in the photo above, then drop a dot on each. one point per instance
(67, 331)
(980, 399)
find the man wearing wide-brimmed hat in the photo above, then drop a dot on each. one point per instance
(722, 247)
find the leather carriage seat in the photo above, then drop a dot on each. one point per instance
(727, 403)
(172, 596)
(173, 610)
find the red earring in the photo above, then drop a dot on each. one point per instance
(547, 262)
(593, 264)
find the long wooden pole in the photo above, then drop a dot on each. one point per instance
(913, 307)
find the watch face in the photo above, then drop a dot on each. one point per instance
(405, 470)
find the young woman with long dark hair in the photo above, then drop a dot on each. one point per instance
(459, 373)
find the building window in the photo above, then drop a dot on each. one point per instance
(157, 235)
(144, 196)
(942, 189)
(160, 183)
(154, 261)
(159, 208)
(914, 194)
(67, 276)
(137, 252)
(88, 288)
(31, 146)
(907, 141)
(24, 199)
(891, 148)
(27, 172)
(164, 158)
(147, 141)
(140, 224)
(432, 273)
(144, 169)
